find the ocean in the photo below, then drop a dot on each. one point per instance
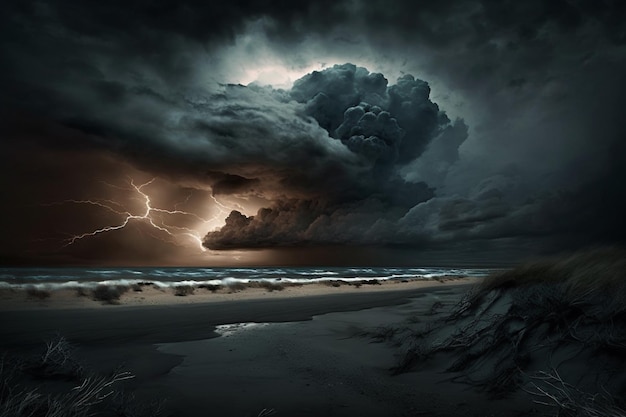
(54, 278)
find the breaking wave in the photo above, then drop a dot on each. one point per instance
(57, 278)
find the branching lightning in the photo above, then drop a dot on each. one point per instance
(153, 216)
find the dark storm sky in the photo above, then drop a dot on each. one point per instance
(458, 130)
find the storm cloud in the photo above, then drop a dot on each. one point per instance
(449, 125)
(357, 109)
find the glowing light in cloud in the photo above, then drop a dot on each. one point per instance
(276, 74)
(253, 58)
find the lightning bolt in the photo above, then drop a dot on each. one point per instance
(150, 215)
(220, 207)
(183, 202)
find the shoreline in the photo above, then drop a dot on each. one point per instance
(151, 294)
(176, 322)
(309, 355)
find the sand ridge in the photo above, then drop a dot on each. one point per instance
(153, 295)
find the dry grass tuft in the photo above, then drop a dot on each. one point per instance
(183, 290)
(598, 269)
(549, 389)
(56, 362)
(92, 395)
(109, 294)
(81, 401)
(236, 286)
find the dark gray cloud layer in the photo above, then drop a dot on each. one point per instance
(346, 156)
(365, 201)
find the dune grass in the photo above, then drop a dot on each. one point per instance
(549, 389)
(58, 361)
(109, 294)
(23, 395)
(519, 326)
(581, 275)
(234, 287)
(183, 290)
(80, 401)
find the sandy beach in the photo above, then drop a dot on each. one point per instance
(156, 315)
(533, 341)
(300, 351)
(31, 297)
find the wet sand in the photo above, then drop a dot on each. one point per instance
(303, 357)
(155, 316)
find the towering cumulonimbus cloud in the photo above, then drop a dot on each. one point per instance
(372, 132)
(384, 127)
(360, 108)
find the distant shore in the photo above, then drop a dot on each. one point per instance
(151, 294)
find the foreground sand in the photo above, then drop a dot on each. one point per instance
(322, 367)
(304, 357)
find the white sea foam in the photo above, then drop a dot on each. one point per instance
(51, 278)
(227, 330)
